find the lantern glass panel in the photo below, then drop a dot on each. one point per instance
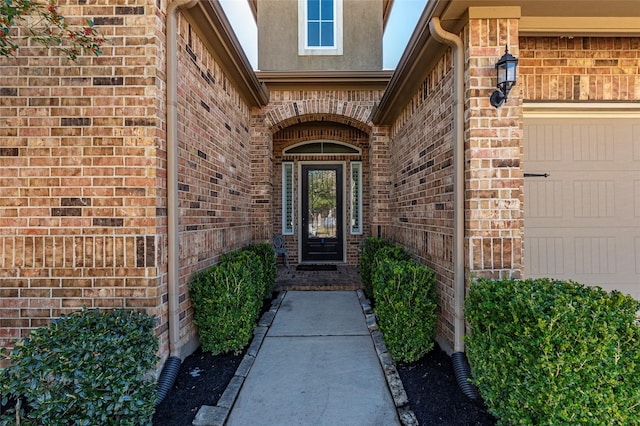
(502, 73)
(510, 72)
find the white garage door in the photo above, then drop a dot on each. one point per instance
(582, 222)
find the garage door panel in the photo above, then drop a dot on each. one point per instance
(583, 221)
(591, 259)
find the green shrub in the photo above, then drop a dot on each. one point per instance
(267, 256)
(406, 306)
(226, 303)
(85, 368)
(547, 352)
(369, 248)
(253, 264)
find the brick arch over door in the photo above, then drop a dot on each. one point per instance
(351, 114)
(308, 131)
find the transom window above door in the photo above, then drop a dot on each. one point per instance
(320, 27)
(322, 147)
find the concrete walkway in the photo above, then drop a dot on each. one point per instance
(317, 359)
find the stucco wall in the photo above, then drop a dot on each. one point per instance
(278, 38)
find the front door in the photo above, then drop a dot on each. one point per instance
(322, 224)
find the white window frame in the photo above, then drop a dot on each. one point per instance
(303, 48)
(288, 217)
(355, 211)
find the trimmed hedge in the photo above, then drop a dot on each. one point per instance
(250, 261)
(547, 352)
(85, 368)
(226, 303)
(406, 306)
(370, 247)
(267, 256)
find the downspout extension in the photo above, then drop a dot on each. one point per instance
(460, 363)
(172, 365)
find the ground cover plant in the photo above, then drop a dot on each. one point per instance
(90, 367)
(552, 352)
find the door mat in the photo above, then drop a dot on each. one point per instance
(306, 267)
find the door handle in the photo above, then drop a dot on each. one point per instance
(537, 175)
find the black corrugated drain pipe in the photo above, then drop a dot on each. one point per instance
(167, 377)
(463, 374)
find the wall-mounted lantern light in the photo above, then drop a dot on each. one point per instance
(506, 72)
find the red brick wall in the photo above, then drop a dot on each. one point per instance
(330, 131)
(78, 166)
(421, 189)
(83, 168)
(215, 170)
(580, 68)
(494, 176)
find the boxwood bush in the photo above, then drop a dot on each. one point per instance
(85, 368)
(226, 301)
(253, 264)
(370, 246)
(406, 306)
(547, 352)
(267, 257)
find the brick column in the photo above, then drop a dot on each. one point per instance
(493, 151)
(380, 180)
(262, 174)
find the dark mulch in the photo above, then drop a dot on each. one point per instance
(434, 395)
(201, 381)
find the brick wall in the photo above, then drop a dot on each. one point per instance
(580, 68)
(289, 118)
(83, 210)
(78, 166)
(421, 197)
(494, 176)
(333, 132)
(421, 189)
(215, 181)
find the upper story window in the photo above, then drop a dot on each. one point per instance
(320, 27)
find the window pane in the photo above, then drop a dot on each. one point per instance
(327, 10)
(322, 197)
(313, 9)
(327, 34)
(313, 34)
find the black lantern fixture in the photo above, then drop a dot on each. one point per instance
(506, 73)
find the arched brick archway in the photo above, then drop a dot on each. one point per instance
(354, 114)
(311, 128)
(295, 116)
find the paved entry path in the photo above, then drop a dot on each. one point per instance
(317, 365)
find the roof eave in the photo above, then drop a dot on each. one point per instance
(215, 29)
